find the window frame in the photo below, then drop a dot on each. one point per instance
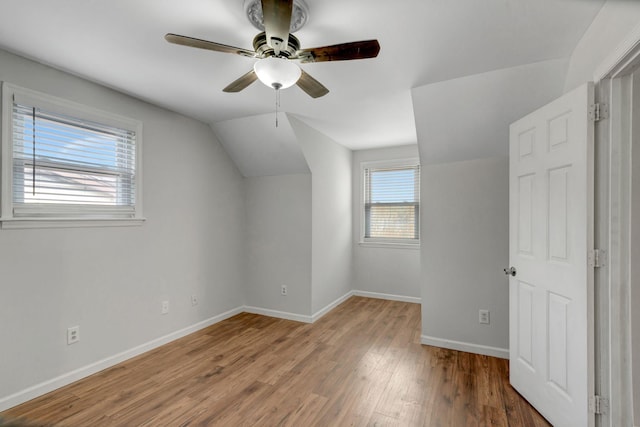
(377, 241)
(80, 216)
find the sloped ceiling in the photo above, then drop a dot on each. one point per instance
(259, 148)
(469, 117)
(120, 44)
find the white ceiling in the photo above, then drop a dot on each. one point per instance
(120, 44)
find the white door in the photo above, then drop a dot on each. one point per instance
(550, 233)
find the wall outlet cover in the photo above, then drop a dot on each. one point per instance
(73, 335)
(483, 317)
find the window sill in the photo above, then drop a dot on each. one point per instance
(390, 245)
(15, 223)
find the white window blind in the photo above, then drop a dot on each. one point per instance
(392, 203)
(66, 164)
(63, 166)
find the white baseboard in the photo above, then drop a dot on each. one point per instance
(502, 353)
(318, 314)
(391, 297)
(298, 317)
(75, 375)
(279, 314)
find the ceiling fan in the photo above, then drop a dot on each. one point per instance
(276, 49)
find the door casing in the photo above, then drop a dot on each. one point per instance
(613, 166)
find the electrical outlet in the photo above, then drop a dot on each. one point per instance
(73, 335)
(194, 300)
(283, 290)
(165, 307)
(483, 316)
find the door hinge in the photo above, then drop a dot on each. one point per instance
(598, 405)
(597, 258)
(598, 112)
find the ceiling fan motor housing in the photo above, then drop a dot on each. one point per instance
(264, 50)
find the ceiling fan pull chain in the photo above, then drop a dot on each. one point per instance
(277, 105)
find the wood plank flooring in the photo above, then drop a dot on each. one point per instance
(360, 365)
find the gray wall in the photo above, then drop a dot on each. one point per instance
(465, 246)
(380, 270)
(331, 229)
(111, 281)
(463, 139)
(278, 231)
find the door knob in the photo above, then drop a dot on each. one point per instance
(511, 271)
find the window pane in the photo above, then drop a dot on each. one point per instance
(63, 160)
(59, 141)
(389, 221)
(68, 187)
(393, 186)
(392, 198)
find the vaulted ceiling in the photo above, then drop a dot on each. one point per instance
(119, 43)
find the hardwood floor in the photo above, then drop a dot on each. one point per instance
(361, 364)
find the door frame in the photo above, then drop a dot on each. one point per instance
(613, 139)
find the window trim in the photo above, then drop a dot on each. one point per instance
(385, 242)
(77, 110)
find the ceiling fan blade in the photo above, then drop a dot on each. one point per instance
(277, 19)
(311, 86)
(340, 52)
(205, 44)
(242, 82)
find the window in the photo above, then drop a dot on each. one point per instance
(391, 202)
(63, 162)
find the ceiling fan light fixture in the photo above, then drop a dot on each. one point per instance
(276, 72)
